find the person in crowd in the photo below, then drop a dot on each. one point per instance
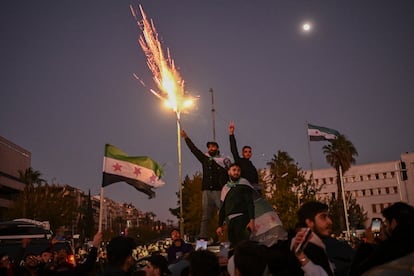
(29, 266)
(63, 268)
(214, 177)
(119, 254)
(340, 253)
(179, 248)
(203, 263)
(249, 259)
(397, 239)
(314, 224)
(45, 258)
(157, 265)
(237, 209)
(6, 266)
(248, 170)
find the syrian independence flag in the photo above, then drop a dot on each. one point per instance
(141, 172)
(268, 226)
(317, 133)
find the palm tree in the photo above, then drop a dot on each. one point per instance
(30, 177)
(340, 154)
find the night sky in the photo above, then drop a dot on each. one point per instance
(67, 85)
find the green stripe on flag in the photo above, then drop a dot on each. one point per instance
(143, 161)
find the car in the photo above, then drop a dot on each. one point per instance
(12, 233)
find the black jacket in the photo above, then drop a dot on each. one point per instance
(248, 170)
(398, 245)
(214, 176)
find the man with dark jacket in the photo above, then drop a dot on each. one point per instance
(120, 260)
(398, 240)
(248, 170)
(214, 177)
(179, 248)
(237, 209)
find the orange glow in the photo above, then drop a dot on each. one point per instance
(162, 67)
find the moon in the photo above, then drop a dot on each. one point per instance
(306, 27)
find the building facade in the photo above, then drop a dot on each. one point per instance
(13, 159)
(375, 186)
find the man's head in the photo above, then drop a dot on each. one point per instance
(249, 259)
(119, 252)
(175, 234)
(46, 256)
(157, 265)
(314, 214)
(399, 214)
(247, 152)
(212, 148)
(234, 172)
(204, 263)
(30, 260)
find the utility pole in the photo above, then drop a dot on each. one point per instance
(213, 114)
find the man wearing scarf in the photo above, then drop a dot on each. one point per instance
(214, 178)
(237, 209)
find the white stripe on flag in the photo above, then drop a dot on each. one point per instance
(131, 170)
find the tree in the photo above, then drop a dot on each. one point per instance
(30, 177)
(340, 153)
(192, 207)
(48, 202)
(286, 187)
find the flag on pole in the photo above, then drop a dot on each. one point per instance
(141, 172)
(318, 133)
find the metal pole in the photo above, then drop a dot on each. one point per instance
(309, 151)
(213, 114)
(101, 206)
(180, 175)
(348, 233)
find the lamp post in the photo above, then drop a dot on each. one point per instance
(180, 174)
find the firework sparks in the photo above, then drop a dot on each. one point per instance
(165, 74)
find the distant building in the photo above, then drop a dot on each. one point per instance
(375, 186)
(13, 159)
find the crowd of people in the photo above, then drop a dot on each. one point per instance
(232, 189)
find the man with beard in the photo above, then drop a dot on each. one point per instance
(308, 247)
(214, 177)
(179, 248)
(237, 209)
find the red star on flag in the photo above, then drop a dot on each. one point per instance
(117, 167)
(153, 178)
(137, 171)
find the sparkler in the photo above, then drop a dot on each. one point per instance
(168, 81)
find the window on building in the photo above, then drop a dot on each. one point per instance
(363, 192)
(379, 191)
(374, 208)
(384, 175)
(392, 174)
(387, 190)
(376, 176)
(324, 180)
(371, 191)
(382, 206)
(395, 189)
